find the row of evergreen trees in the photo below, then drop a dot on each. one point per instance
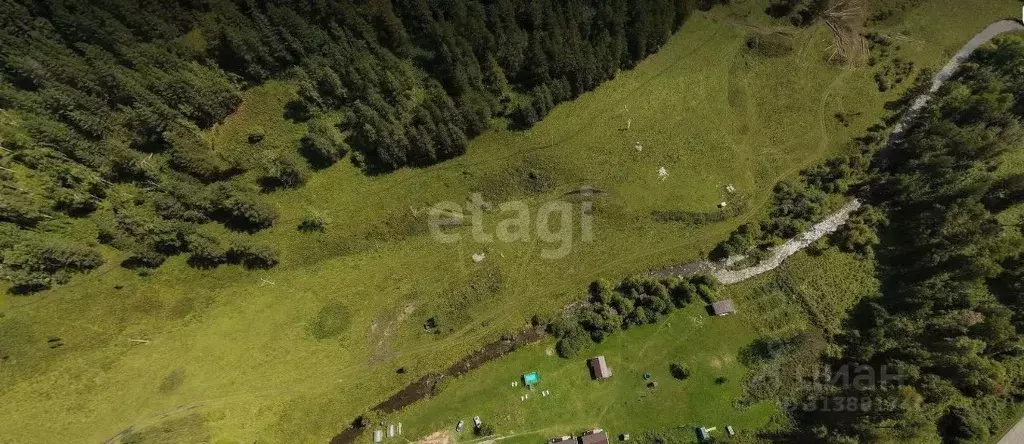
(414, 79)
(105, 102)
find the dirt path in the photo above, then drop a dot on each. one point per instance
(1015, 435)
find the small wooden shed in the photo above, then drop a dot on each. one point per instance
(599, 368)
(596, 436)
(722, 308)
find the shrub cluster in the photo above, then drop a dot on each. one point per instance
(312, 223)
(894, 70)
(634, 301)
(323, 144)
(281, 172)
(796, 206)
(679, 371)
(859, 234)
(33, 265)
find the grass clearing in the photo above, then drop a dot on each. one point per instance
(779, 305)
(621, 404)
(255, 371)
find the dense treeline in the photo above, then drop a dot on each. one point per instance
(612, 307)
(949, 317)
(105, 102)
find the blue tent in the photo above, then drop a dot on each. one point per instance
(530, 379)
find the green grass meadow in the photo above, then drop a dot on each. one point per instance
(772, 305)
(295, 353)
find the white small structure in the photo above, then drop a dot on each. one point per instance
(638, 146)
(391, 430)
(662, 173)
(723, 204)
(729, 430)
(478, 257)
(378, 435)
(704, 433)
(730, 188)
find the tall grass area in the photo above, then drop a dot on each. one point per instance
(294, 353)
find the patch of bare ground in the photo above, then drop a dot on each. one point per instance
(383, 328)
(440, 437)
(845, 18)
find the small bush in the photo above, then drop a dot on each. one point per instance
(539, 320)
(256, 135)
(144, 259)
(206, 251)
(37, 265)
(679, 371)
(245, 213)
(282, 172)
(484, 430)
(191, 154)
(312, 223)
(573, 342)
(73, 203)
(18, 208)
(252, 256)
(323, 145)
(524, 116)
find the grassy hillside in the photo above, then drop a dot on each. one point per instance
(292, 354)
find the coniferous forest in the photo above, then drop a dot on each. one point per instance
(102, 94)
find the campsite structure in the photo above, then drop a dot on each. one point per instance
(722, 308)
(599, 368)
(704, 433)
(596, 436)
(531, 379)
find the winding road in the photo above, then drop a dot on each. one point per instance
(721, 270)
(725, 274)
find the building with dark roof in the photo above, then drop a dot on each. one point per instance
(596, 436)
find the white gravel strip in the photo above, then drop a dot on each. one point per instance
(781, 252)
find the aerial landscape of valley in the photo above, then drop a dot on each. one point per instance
(516, 221)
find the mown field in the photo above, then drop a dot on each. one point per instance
(293, 354)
